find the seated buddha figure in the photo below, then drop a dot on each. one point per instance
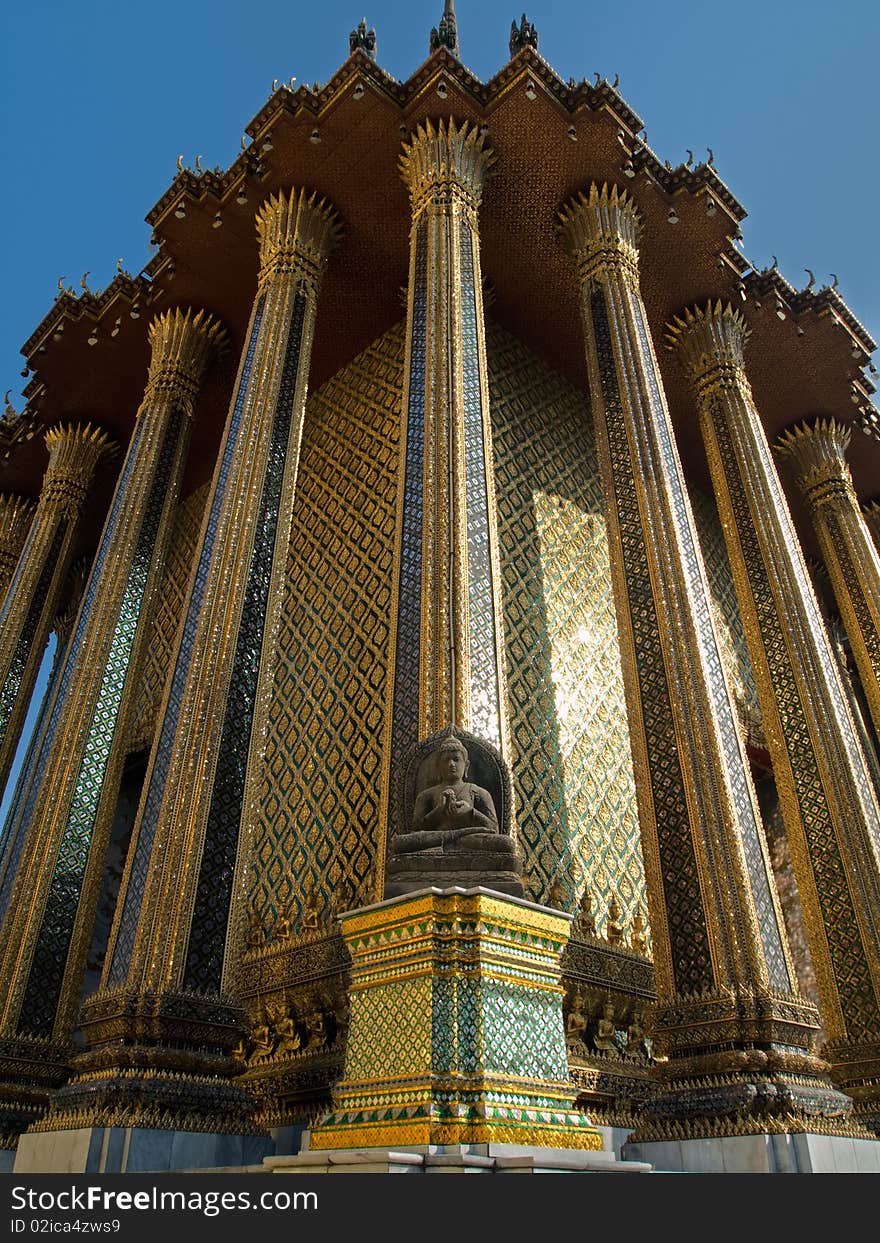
(452, 815)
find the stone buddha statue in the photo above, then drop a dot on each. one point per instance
(453, 836)
(452, 811)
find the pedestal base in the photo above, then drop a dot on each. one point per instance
(456, 1034)
(760, 1154)
(129, 1150)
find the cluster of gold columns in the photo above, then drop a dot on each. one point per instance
(816, 450)
(828, 802)
(66, 812)
(177, 905)
(33, 595)
(729, 1012)
(725, 983)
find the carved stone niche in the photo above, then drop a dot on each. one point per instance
(454, 825)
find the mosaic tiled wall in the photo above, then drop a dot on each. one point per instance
(320, 824)
(179, 559)
(576, 812)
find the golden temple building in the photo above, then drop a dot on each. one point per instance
(461, 744)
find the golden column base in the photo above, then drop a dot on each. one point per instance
(456, 1033)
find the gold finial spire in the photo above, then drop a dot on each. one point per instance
(446, 33)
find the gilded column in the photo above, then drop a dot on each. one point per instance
(12, 831)
(31, 601)
(817, 451)
(727, 1004)
(176, 905)
(830, 811)
(448, 665)
(871, 512)
(63, 820)
(16, 516)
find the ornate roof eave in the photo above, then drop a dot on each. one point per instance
(528, 62)
(284, 99)
(702, 179)
(196, 185)
(16, 428)
(443, 62)
(824, 301)
(73, 307)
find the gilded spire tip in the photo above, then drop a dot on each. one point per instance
(445, 34)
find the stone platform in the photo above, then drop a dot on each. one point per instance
(130, 1150)
(452, 1159)
(795, 1153)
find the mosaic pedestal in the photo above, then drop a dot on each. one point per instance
(456, 1034)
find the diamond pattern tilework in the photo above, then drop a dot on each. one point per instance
(179, 558)
(485, 702)
(444, 1034)
(523, 1033)
(319, 825)
(50, 956)
(394, 1019)
(576, 811)
(146, 830)
(14, 831)
(687, 931)
(841, 540)
(204, 960)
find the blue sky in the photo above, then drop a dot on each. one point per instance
(99, 97)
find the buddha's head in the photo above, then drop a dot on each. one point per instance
(452, 760)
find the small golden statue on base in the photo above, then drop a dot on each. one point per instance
(635, 1037)
(261, 1039)
(282, 922)
(256, 936)
(638, 940)
(576, 1024)
(289, 1039)
(556, 898)
(584, 920)
(310, 919)
(604, 1041)
(614, 928)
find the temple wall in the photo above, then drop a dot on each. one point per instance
(576, 812)
(319, 824)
